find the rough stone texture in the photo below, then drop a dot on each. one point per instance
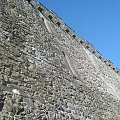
(58, 76)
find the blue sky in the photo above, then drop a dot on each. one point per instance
(97, 21)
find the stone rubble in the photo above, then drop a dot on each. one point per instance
(45, 74)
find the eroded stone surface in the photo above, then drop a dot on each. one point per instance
(57, 78)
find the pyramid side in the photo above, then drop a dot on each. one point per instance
(47, 72)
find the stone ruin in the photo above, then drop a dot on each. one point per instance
(47, 72)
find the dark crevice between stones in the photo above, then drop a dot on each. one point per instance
(67, 30)
(74, 36)
(28, 0)
(100, 57)
(20, 111)
(58, 23)
(50, 17)
(2, 99)
(40, 9)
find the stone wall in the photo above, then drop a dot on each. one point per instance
(48, 73)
